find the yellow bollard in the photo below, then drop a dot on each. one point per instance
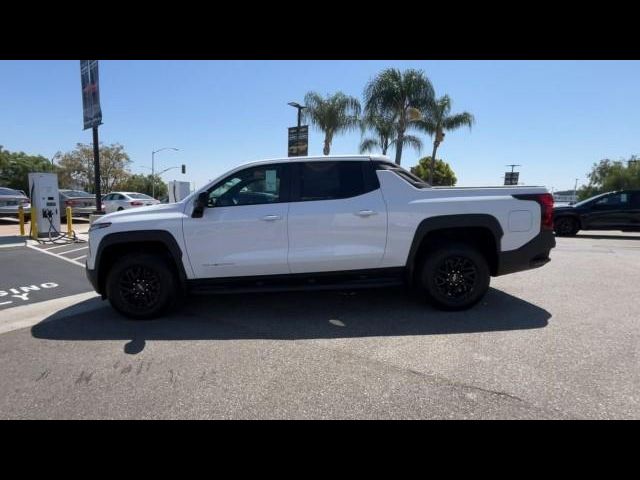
(34, 224)
(21, 219)
(69, 222)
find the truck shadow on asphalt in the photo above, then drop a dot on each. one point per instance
(293, 316)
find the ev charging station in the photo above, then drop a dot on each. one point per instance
(43, 189)
(178, 190)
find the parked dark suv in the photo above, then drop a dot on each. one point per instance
(609, 211)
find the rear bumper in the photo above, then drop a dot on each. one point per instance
(533, 254)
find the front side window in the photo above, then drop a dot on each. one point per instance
(332, 180)
(252, 186)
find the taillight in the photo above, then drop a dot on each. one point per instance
(70, 203)
(136, 204)
(546, 204)
(546, 208)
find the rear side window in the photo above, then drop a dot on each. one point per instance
(333, 180)
(402, 173)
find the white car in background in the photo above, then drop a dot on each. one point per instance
(116, 201)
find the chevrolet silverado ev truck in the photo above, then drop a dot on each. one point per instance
(318, 223)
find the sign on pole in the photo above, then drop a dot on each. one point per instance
(90, 93)
(511, 178)
(299, 141)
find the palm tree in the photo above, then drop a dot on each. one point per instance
(384, 135)
(401, 96)
(438, 121)
(332, 114)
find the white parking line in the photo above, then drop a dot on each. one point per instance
(74, 250)
(55, 246)
(55, 255)
(74, 259)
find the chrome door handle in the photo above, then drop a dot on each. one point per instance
(365, 213)
(271, 218)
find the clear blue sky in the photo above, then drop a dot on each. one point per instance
(554, 117)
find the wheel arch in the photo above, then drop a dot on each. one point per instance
(114, 245)
(480, 230)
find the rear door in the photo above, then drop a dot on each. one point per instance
(610, 212)
(634, 209)
(337, 217)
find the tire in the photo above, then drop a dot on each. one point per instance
(120, 209)
(141, 286)
(565, 226)
(455, 277)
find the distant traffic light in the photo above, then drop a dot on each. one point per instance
(184, 168)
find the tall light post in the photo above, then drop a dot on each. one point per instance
(300, 108)
(153, 168)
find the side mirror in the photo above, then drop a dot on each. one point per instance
(199, 205)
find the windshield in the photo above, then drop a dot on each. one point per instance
(75, 193)
(141, 196)
(9, 191)
(584, 202)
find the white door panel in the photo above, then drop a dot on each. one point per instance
(238, 241)
(341, 234)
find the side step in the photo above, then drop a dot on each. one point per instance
(284, 283)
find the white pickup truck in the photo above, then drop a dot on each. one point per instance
(319, 223)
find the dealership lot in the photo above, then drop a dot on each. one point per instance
(562, 341)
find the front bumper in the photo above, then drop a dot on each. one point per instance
(92, 276)
(533, 254)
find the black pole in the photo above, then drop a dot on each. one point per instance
(96, 170)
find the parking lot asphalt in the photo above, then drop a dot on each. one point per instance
(561, 341)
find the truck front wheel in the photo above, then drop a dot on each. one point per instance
(455, 277)
(141, 286)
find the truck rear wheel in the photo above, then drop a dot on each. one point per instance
(141, 286)
(455, 277)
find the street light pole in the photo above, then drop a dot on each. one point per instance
(300, 108)
(153, 168)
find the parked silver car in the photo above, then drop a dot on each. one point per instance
(116, 201)
(10, 200)
(82, 203)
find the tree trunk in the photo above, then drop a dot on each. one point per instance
(399, 145)
(433, 162)
(327, 144)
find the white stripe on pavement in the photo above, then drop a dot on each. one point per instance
(74, 250)
(78, 258)
(54, 255)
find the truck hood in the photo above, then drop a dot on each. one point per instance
(151, 211)
(563, 209)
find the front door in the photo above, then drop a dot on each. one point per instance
(243, 232)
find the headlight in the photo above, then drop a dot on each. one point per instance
(97, 226)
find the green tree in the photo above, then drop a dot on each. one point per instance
(400, 96)
(608, 175)
(143, 184)
(443, 174)
(16, 166)
(384, 133)
(76, 168)
(440, 120)
(333, 114)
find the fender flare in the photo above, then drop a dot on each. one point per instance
(139, 236)
(441, 222)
